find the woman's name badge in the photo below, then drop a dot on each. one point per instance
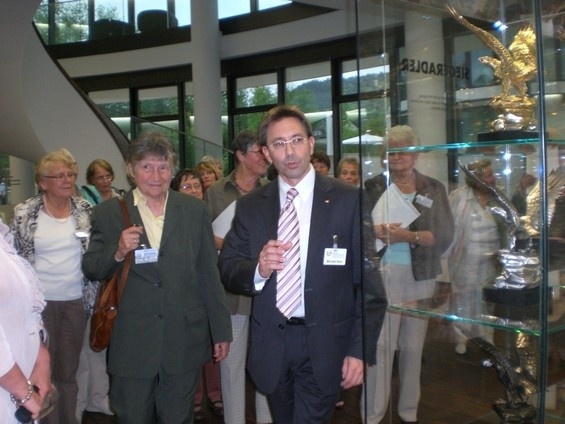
(335, 256)
(424, 201)
(146, 256)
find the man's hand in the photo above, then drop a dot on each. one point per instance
(271, 257)
(351, 372)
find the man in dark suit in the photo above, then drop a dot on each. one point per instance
(301, 361)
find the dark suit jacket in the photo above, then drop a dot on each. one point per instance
(332, 293)
(173, 310)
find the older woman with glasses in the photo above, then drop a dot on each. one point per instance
(99, 176)
(51, 231)
(189, 182)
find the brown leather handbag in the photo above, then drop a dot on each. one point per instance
(108, 298)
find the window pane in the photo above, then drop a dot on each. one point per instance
(373, 73)
(111, 9)
(322, 130)
(115, 104)
(182, 12)
(71, 21)
(227, 8)
(257, 90)
(309, 87)
(266, 4)
(4, 184)
(248, 121)
(168, 128)
(158, 101)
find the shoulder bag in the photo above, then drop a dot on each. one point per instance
(108, 298)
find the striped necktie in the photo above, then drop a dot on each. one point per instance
(288, 279)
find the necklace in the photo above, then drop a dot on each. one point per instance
(241, 189)
(409, 180)
(58, 220)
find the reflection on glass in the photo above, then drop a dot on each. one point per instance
(373, 73)
(368, 138)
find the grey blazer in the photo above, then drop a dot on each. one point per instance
(172, 311)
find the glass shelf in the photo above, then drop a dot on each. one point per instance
(503, 317)
(463, 145)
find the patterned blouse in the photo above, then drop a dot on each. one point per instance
(24, 225)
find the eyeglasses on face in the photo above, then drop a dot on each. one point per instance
(195, 186)
(61, 177)
(257, 152)
(105, 177)
(280, 143)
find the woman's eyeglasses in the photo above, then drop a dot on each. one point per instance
(195, 186)
(61, 177)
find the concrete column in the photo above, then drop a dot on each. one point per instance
(206, 76)
(426, 88)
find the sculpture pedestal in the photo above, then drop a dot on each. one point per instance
(516, 304)
(507, 135)
(512, 297)
(520, 414)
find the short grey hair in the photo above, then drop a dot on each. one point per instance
(152, 144)
(404, 133)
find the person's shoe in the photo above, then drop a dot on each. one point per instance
(408, 422)
(461, 348)
(199, 413)
(217, 407)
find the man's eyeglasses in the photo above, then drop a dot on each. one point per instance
(257, 152)
(280, 144)
(195, 186)
(61, 177)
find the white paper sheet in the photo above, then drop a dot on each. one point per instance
(222, 223)
(393, 207)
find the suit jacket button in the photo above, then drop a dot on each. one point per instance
(281, 326)
(159, 316)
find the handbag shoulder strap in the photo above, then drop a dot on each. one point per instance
(127, 260)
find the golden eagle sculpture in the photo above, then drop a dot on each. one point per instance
(514, 67)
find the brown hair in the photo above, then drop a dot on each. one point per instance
(92, 169)
(278, 113)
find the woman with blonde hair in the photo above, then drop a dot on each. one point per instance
(51, 231)
(208, 172)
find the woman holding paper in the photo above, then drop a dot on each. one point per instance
(250, 168)
(413, 226)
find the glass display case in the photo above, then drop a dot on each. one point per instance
(481, 84)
